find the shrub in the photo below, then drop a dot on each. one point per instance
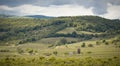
(90, 45)
(41, 58)
(66, 53)
(47, 54)
(89, 52)
(61, 42)
(30, 51)
(52, 59)
(83, 45)
(97, 43)
(106, 43)
(4, 50)
(55, 52)
(51, 46)
(19, 50)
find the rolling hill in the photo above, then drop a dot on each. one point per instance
(22, 30)
(55, 41)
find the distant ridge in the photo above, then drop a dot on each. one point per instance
(5, 16)
(38, 16)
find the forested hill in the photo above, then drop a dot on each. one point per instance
(22, 30)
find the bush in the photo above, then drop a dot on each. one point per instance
(66, 53)
(19, 50)
(47, 54)
(90, 45)
(4, 50)
(61, 42)
(51, 46)
(106, 43)
(97, 43)
(55, 52)
(83, 45)
(31, 51)
(89, 52)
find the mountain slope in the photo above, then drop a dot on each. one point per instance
(22, 30)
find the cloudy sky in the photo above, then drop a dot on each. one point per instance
(105, 8)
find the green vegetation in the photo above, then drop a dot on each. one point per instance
(22, 30)
(52, 61)
(59, 41)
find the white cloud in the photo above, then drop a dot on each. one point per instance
(113, 12)
(28, 9)
(63, 10)
(67, 10)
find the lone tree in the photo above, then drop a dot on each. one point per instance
(78, 50)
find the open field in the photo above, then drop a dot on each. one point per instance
(100, 50)
(42, 55)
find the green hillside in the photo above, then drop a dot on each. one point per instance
(22, 30)
(59, 41)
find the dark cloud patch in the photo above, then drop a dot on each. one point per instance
(99, 6)
(14, 2)
(114, 2)
(9, 12)
(85, 3)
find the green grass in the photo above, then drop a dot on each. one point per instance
(98, 55)
(53, 61)
(67, 30)
(72, 29)
(101, 50)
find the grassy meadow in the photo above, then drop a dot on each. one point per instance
(42, 55)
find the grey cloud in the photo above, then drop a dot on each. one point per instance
(99, 6)
(9, 12)
(86, 3)
(114, 2)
